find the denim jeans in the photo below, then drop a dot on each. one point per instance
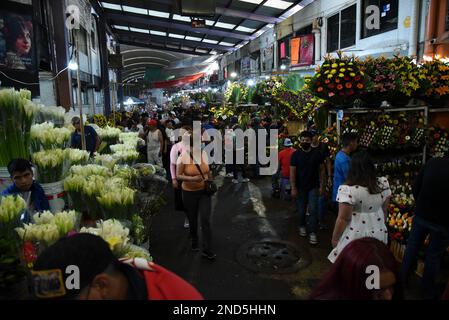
(439, 241)
(197, 203)
(322, 208)
(308, 199)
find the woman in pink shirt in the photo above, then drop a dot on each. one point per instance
(175, 152)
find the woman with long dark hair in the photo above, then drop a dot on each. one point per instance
(365, 270)
(363, 205)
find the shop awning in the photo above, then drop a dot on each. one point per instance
(179, 82)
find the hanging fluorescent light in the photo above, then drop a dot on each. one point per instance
(73, 65)
(210, 41)
(181, 18)
(225, 25)
(253, 1)
(278, 4)
(138, 30)
(121, 27)
(175, 35)
(223, 43)
(158, 33)
(245, 29)
(159, 14)
(111, 6)
(234, 74)
(135, 10)
(193, 38)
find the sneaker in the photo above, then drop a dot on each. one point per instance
(195, 246)
(229, 175)
(209, 254)
(302, 231)
(313, 239)
(235, 181)
(244, 180)
(186, 223)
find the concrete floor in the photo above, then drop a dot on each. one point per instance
(241, 213)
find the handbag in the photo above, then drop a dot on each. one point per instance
(210, 188)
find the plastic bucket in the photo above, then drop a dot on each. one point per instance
(5, 179)
(56, 195)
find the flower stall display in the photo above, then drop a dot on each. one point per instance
(438, 142)
(339, 81)
(100, 120)
(264, 90)
(118, 238)
(16, 117)
(399, 220)
(434, 82)
(45, 136)
(50, 165)
(105, 160)
(117, 202)
(109, 136)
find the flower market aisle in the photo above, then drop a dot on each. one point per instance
(243, 214)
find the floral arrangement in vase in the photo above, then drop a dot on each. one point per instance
(339, 81)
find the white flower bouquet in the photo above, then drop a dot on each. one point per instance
(16, 117)
(50, 165)
(128, 157)
(127, 173)
(109, 136)
(76, 156)
(47, 228)
(45, 136)
(117, 202)
(117, 236)
(105, 160)
(122, 148)
(114, 233)
(10, 209)
(89, 170)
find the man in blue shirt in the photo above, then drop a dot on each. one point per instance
(92, 138)
(350, 142)
(23, 185)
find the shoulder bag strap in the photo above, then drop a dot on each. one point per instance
(197, 165)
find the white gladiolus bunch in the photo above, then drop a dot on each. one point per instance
(125, 172)
(76, 156)
(48, 137)
(10, 208)
(90, 169)
(115, 148)
(130, 139)
(128, 156)
(105, 160)
(74, 183)
(49, 165)
(43, 233)
(94, 185)
(113, 232)
(114, 197)
(45, 217)
(109, 132)
(48, 228)
(65, 221)
(54, 114)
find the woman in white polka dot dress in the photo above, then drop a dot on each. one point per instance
(363, 201)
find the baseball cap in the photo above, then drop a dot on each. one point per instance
(288, 142)
(152, 122)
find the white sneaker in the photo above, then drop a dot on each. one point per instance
(235, 181)
(302, 231)
(245, 180)
(186, 223)
(229, 175)
(313, 239)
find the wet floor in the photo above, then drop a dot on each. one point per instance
(242, 215)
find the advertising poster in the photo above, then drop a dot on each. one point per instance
(294, 50)
(306, 50)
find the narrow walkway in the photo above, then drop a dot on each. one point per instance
(242, 213)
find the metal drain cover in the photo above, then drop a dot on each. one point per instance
(271, 256)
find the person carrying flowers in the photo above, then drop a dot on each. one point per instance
(24, 185)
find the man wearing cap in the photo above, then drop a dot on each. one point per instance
(92, 138)
(155, 144)
(24, 185)
(86, 260)
(285, 157)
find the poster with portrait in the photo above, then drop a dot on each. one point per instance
(17, 51)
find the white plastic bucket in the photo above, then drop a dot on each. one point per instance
(5, 179)
(56, 195)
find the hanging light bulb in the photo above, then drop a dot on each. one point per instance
(73, 65)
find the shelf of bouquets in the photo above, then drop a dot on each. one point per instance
(21, 243)
(346, 82)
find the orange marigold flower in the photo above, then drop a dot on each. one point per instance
(360, 86)
(348, 85)
(340, 87)
(320, 89)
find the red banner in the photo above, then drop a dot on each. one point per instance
(177, 82)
